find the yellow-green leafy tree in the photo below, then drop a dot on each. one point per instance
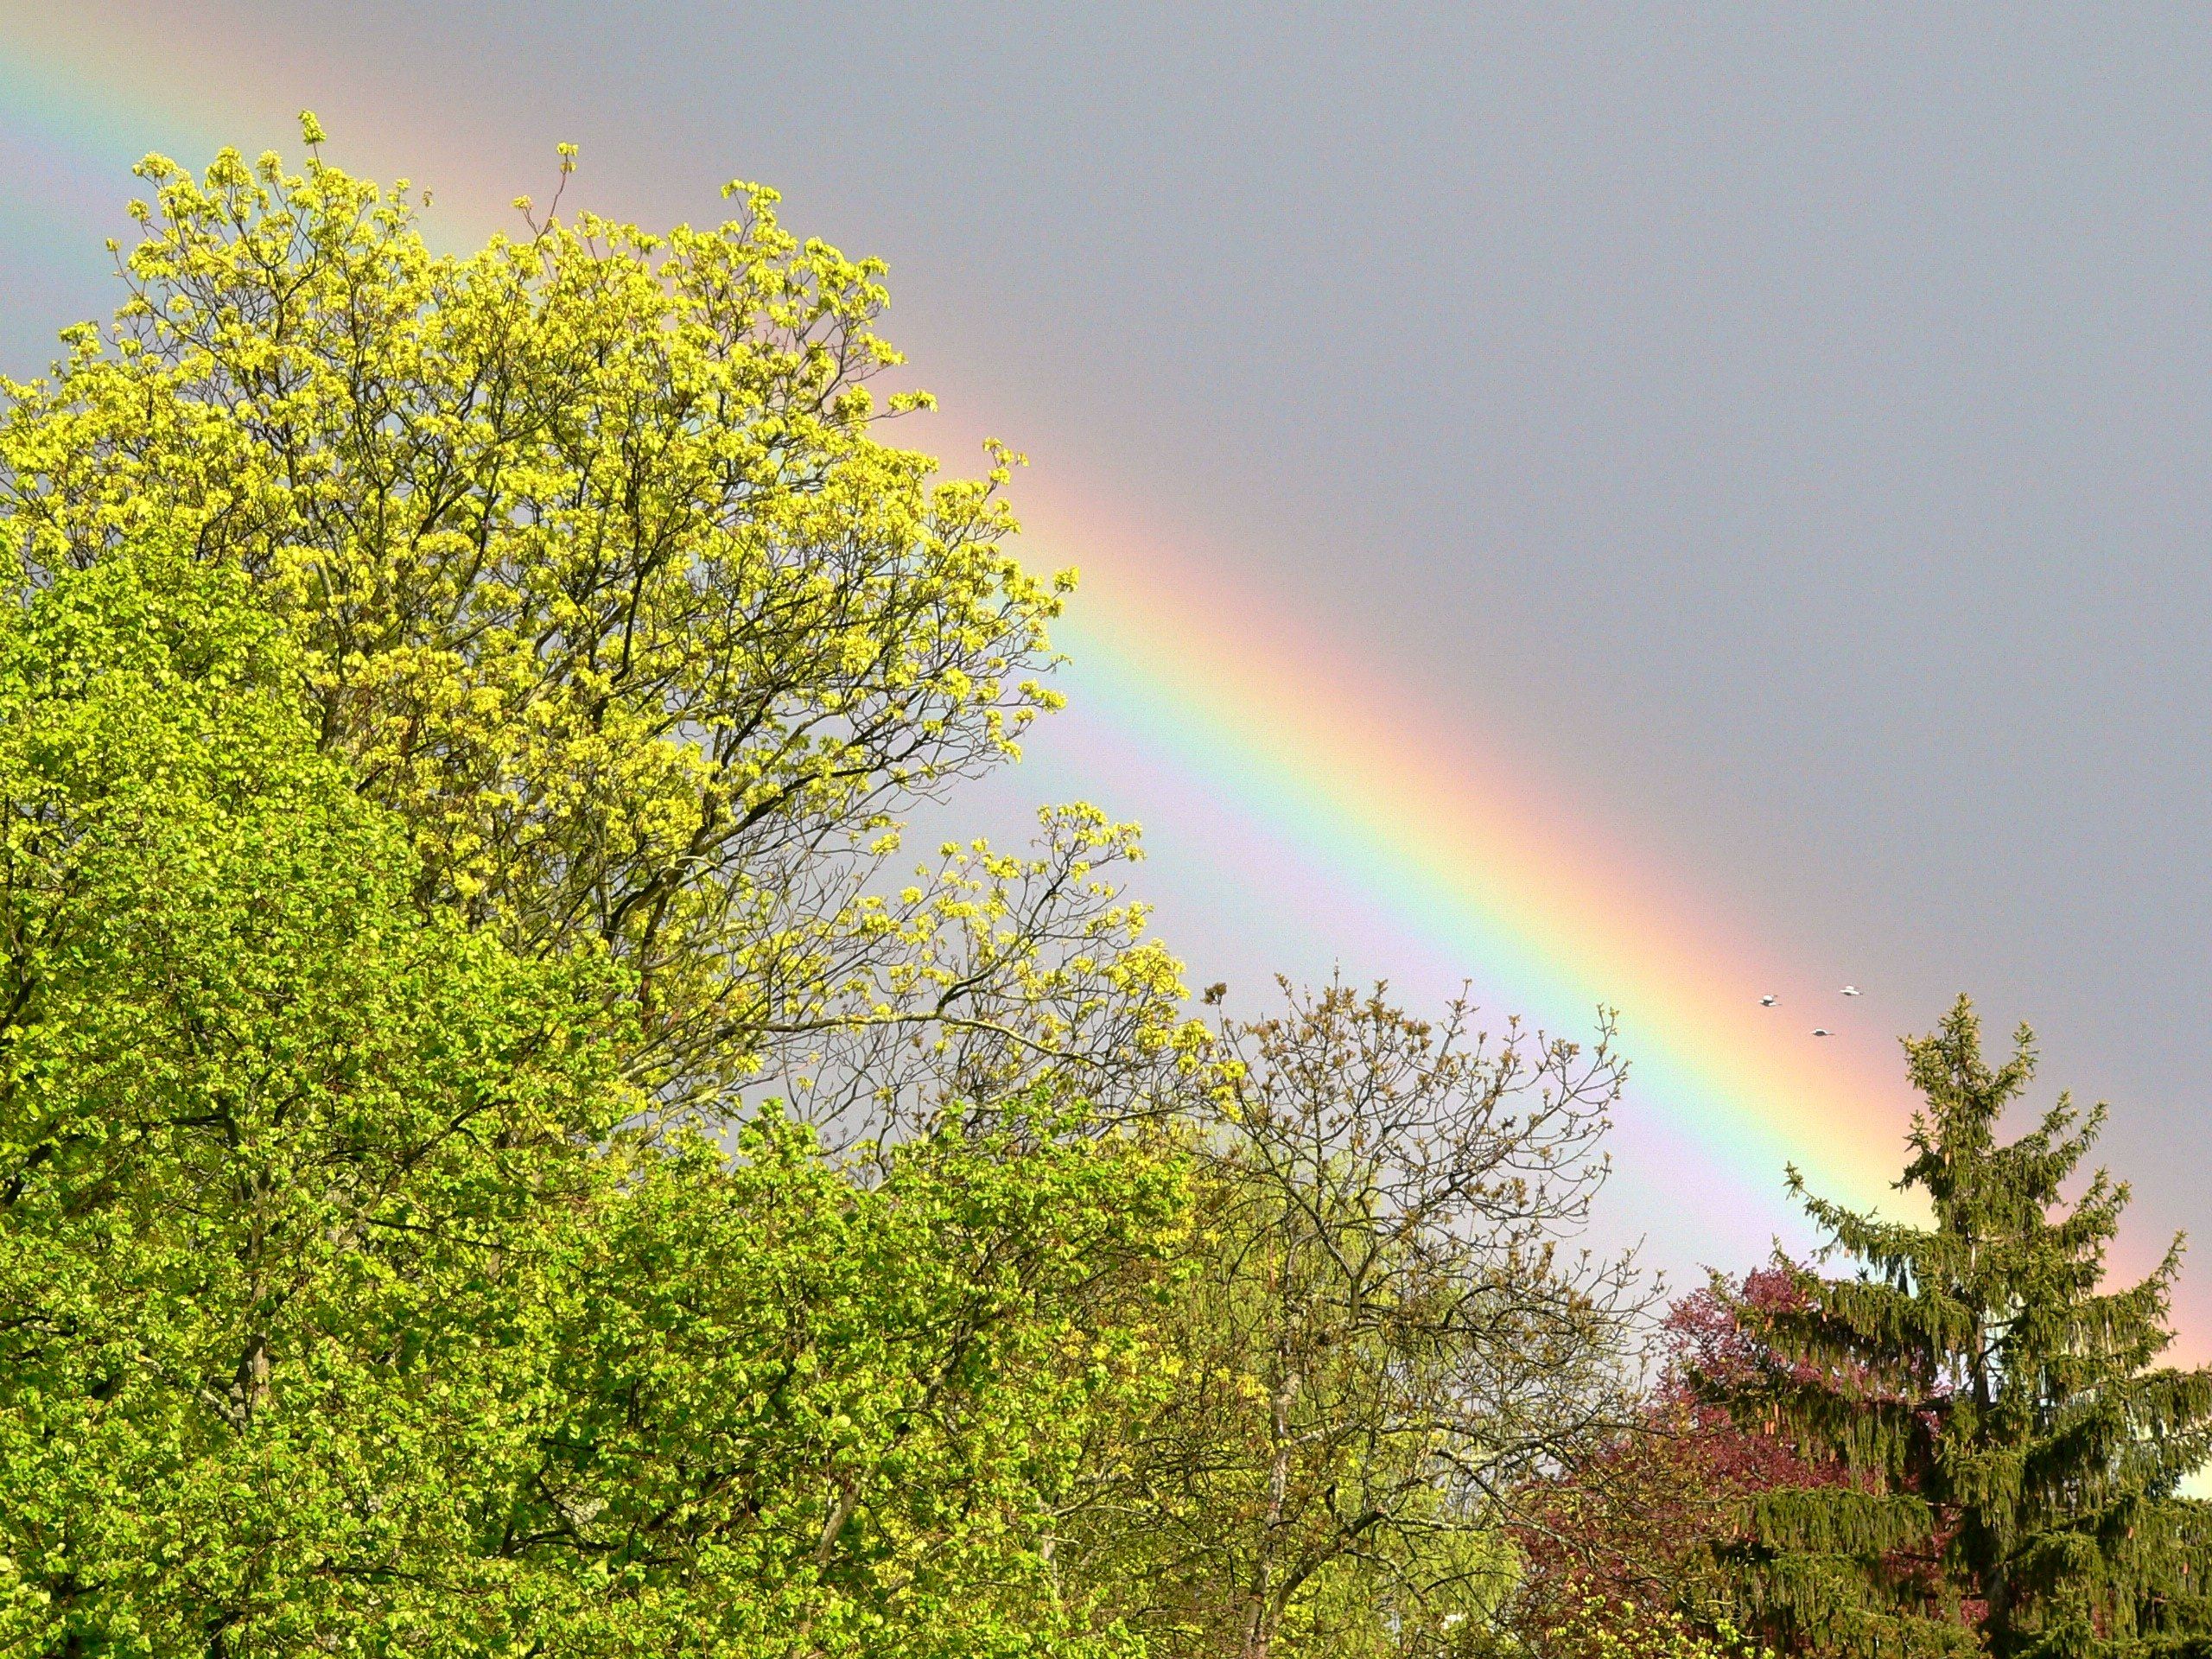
(453, 715)
(343, 1305)
(606, 582)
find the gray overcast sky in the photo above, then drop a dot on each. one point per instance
(1792, 421)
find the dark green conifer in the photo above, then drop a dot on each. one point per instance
(2006, 1457)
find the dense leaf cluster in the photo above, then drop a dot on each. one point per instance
(343, 1305)
(604, 582)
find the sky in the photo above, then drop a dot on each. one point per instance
(1648, 505)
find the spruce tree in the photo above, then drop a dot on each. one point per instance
(2006, 1456)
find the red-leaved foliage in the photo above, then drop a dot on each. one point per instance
(1708, 1348)
(1624, 1527)
(1628, 1527)
(1711, 1353)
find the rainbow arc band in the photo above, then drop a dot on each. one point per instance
(1444, 837)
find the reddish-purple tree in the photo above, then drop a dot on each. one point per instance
(1615, 1547)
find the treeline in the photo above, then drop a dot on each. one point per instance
(499, 1155)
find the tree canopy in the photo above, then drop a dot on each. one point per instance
(1375, 1342)
(604, 581)
(343, 1302)
(455, 713)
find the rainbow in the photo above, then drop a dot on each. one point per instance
(1457, 843)
(1445, 840)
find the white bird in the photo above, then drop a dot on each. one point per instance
(1851, 990)
(1767, 1001)
(1822, 1031)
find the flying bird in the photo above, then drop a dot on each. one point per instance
(1767, 1001)
(1822, 1031)
(1851, 990)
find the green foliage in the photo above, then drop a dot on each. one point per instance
(340, 1311)
(602, 581)
(794, 1416)
(2014, 1452)
(452, 716)
(261, 1124)
(1370, 1340)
